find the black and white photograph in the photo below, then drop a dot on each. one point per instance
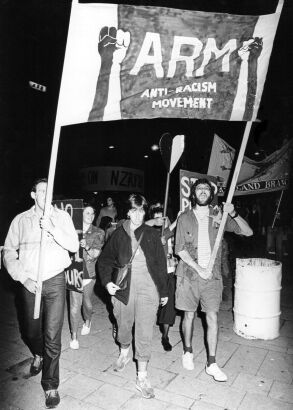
(146, 205)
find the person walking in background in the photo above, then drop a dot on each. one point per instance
(167, 313)
(254, 219)
(108, 226)
(146, 286)
(277, 221)
(92, 242)
(109, 210)
(195, 237)
(21, 259)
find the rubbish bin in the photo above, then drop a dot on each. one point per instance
(257, 298)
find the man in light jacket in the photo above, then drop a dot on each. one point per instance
(21, 259)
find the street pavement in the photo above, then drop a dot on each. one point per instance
(260, 373)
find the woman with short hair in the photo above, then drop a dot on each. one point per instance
(146, 285)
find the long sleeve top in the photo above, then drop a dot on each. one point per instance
(22, 245)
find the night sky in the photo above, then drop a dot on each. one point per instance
(33, 39)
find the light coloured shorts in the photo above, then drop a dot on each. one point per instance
(190, 293)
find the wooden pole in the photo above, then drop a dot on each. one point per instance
(235, 176)
(175, 154)
(166, 201)
(277, 210)
(49, 195)
(230, 194)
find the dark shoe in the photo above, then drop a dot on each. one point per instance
(166, 344)
(36, 365)
(52, 399)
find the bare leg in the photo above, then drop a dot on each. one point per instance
(212, 332)
(187, 329)
(212, 368)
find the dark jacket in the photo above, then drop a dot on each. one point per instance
(117, 253)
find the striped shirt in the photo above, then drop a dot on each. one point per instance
(203, 242)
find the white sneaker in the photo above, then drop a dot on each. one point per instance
(85, 330)
(187, 361)
(120, 363)
(74, 344)
(214, 371)
(144, 386)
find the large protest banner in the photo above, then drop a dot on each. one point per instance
(74, 273)
(125, 61)
(130, 62)
(186, 179)
(268, 175)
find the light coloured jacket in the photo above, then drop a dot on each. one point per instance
(22, 245)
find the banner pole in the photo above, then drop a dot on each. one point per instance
(49, 193)
(277, 210)
(48, 201)
(166, 201)
(230, 194)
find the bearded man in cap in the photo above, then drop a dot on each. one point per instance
(197, 230)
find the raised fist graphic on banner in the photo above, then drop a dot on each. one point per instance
(112, 47)
(249, 53)
(250, 48)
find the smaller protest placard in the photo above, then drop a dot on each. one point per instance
(74, 273)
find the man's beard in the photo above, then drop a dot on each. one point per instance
(205, 203)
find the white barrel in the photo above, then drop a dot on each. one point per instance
(257, 298)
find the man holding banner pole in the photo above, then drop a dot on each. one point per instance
(196, 234)
(21, 259)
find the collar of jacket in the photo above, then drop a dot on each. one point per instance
(137, 232)
(90, 229)
(32, 212)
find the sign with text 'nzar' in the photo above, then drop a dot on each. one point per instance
(112, 179)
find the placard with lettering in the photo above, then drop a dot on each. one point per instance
(186, 179)
(74, 273)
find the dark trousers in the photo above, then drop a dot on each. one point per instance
(43, 335)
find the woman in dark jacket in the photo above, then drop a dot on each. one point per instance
(147, 286)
